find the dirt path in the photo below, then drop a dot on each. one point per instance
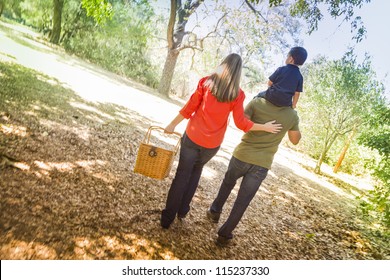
(72, 193)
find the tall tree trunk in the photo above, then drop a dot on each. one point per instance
(57, 16)
(167, 75)
(175, 39)
(2, 5)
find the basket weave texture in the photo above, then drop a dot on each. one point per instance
(155, 162)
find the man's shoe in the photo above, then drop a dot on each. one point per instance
(223, 241)
(165, 226)
(214, 217)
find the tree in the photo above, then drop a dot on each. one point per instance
(57, 16)
(342, 93)
(175, 38)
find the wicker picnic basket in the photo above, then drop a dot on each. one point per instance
(152, 161)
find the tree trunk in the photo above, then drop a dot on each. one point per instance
(57, 16)
(317, 169)
(327, 145)
(2, 5)
(167, 75)
(344, 151)
(175, 38)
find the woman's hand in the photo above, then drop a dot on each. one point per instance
(170, 128)
(272, 127)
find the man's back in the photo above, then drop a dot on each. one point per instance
(260, 147)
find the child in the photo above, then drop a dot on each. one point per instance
(286, 83)
(207, 110)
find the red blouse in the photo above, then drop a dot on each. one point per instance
(209, 118)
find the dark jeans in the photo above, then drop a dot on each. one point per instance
(192, 159)
(253, 176)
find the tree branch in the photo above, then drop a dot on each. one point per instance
(256, 11)
(186, 12)
(179, 49)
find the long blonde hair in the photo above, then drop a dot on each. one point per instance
(224, 83)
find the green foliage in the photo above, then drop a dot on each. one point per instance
(37, 13)
(99, 10)
(11, 9)
(377, 137)
(332, 103)
(121, 44)
(376, 203)
(312, 12)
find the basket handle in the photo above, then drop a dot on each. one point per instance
(148, 134)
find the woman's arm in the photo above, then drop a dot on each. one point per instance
(270, 127)
(195, 100)
(171, 127)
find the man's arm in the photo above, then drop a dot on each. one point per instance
(294, 136)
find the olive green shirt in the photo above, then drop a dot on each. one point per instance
(259, 147)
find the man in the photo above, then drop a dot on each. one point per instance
(252, 159)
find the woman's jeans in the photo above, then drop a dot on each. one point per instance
(192, 159)
(253, 176)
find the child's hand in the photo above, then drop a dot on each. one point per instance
(272, 127)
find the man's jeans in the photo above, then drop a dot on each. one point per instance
(192, 159)
(253, 176)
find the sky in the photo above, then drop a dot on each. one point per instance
(333, 41)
